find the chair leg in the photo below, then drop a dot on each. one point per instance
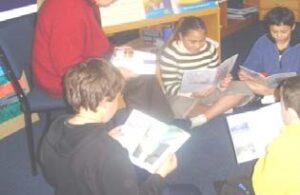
(30, 142)
(48, 120)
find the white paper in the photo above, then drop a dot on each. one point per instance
(195, 80)
(140, 62)
(272, 80)
(122, 11)
(252, 131)
(150, 141)
(226, 67)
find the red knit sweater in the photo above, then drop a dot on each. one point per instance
(67, 32)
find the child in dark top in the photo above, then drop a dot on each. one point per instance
(78, 155)
(189, 48)
(278, 51)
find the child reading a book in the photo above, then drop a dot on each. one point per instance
(188, 48)
(79, 156)
(278, 171)
(278, 51)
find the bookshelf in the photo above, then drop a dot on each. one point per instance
(11, 114)
(211, 17)
(229, 26)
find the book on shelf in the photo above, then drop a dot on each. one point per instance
(240, 16)
(127, 11)
(273, 80)
(242, 11)
(195, 80)
(138, 62)
(8, 100)
(7, 89)
(2, 71)
(179, 6)
(252, 131)
(10, 111)
(150, 141)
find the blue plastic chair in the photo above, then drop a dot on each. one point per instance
(16, 37)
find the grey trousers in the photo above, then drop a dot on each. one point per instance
(144, 93)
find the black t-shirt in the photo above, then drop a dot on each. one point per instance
(85, 160)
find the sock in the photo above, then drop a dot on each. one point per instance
(198, 120)
(229, 111)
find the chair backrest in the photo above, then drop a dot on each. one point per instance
(16, 37)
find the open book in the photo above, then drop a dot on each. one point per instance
(126, 11)
(252, 131)
(139, 62)
(272, 80)
(195, 80)
(150, 141)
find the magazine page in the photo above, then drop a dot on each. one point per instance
(258, 76)
(150, 141)
(122, 11)
(272, 80)
(195, 80)
(225, 67)
(252, 131)
(275, 79)
(139, 62)
(251, 72)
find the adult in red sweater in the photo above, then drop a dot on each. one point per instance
(69, 32)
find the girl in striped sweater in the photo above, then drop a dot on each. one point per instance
(188, 48)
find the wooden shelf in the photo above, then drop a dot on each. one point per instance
(211, 17)
(235, 25)
(229, 26)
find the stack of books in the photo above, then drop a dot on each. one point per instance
(9, 103)
(242, 13)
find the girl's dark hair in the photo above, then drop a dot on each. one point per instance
(88, 83)
(280, 16)
(184, 25)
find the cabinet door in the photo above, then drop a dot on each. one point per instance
(266, 5)
(292, 4)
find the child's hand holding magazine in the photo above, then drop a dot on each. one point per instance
(169, 165)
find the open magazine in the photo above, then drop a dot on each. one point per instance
(139, 62)
(272, 80)
(252, 131)
(150, 141)
(195, 80)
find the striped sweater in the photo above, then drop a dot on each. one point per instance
(175, 59)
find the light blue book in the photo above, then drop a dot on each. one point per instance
(178, 8)
(1, 71)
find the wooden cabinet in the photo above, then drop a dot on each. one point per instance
(211, 17)
(265, 5)
(229, 26)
